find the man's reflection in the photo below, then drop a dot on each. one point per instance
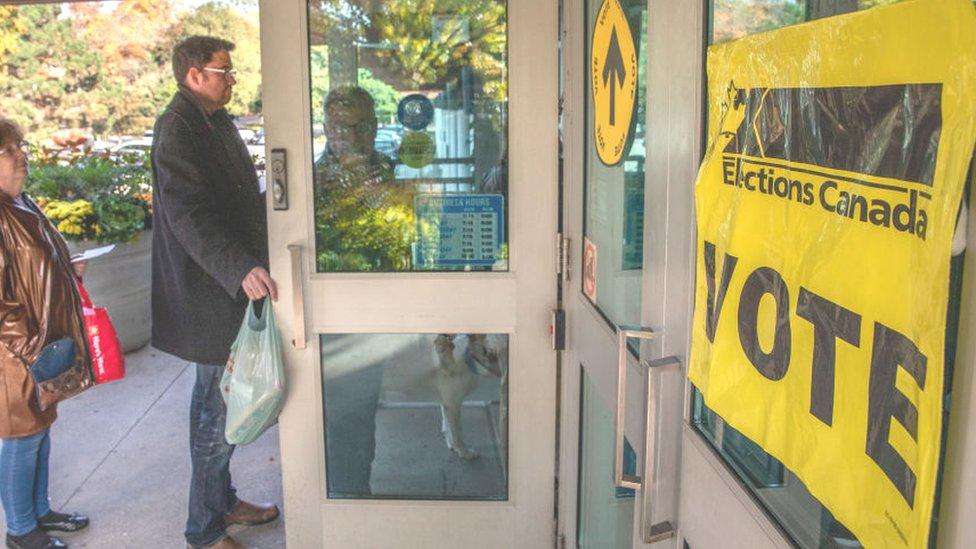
(364, 220)
(362, 224)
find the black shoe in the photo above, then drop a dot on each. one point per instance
(35, 539)
(62, 522)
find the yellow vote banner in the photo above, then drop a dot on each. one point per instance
(613, 77)
(826, 206)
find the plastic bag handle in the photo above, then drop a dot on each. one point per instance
(86, 301)
(250, 316)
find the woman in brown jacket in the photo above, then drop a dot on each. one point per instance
(39, 304)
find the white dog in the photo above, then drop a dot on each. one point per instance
(456, 377)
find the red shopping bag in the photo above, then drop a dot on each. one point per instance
(108, 362)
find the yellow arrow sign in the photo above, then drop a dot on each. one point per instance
(613, 78)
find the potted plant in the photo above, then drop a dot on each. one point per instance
(94, 201)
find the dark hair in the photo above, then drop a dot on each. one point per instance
(10, 131)
(196, 51)
(350, 96)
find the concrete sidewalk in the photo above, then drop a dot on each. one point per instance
(120, 454)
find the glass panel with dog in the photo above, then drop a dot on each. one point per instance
(409, 130)
(415, 416)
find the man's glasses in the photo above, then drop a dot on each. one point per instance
(229, 74)
(359, 128)
(11, 148)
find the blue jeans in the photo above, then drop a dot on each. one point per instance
(23, 480)
(211, 493)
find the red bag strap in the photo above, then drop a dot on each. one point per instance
(85, 300)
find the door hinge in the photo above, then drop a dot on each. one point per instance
(562, 256)
(557, 330)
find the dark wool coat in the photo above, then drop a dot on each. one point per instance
(209, 231)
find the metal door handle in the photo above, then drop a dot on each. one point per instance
(298, 295)
(620, 479)
(662, 441)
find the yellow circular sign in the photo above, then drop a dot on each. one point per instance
(613, 78)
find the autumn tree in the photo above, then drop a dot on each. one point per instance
(134, 85)
(105, 67)
(414, 45)
(51, 76)
(736, 18)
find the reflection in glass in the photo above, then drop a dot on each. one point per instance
(415, 416)
(605, 512)
(783, 494)
(732, 19)
(614, 195)
(409, 130)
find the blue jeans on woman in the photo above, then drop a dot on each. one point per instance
(23, 480)
(211, 493)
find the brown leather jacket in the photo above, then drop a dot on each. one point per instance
(39, 303)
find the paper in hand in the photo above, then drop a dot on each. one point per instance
(92, 253)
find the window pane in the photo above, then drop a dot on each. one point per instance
(732, 19)
(614, 195)
(783, 494)
(415, 416)
(605, 512)
(409, 105)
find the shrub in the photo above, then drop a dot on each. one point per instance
(92, 197)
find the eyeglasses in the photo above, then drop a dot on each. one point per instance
(11, 148)
(229, 74)
(357, 128)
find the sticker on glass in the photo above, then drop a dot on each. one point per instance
(613, 78)
(415, 112)
(416, 150)
(589, 269)
(459, 230)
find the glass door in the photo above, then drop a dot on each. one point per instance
(413, 181)
(628, 293)
(631, 223)
(603, 222)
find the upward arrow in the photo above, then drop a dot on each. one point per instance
(614, 72)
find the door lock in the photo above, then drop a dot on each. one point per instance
(279, 179)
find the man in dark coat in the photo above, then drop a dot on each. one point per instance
(210, 255)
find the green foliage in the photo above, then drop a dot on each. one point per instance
(736, 18)
(352, 237)
(434, 40)
(120, 218)
(364, 221)
(10, 28)
(384, 95)
(319, 66)
(416, 45)
(51, 73)
(93, 198)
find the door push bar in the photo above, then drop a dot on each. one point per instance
(662, 439)
(297, 295)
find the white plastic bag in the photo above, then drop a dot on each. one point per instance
(253, 384)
